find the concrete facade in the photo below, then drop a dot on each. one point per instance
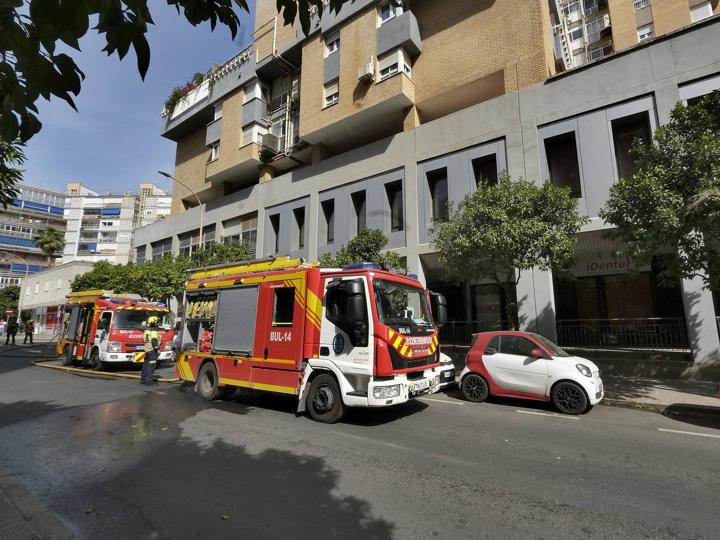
(649, 79)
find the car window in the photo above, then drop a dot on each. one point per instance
(516, 345)
(494, 344)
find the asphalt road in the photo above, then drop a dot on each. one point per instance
(115, 460)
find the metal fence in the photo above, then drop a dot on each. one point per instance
(459, 333)
(647, 333)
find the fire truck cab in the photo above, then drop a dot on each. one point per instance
(102, 328)
(335, 338)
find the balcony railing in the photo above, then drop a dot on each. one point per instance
(646, 334)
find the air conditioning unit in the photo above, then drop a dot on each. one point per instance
(366, 72)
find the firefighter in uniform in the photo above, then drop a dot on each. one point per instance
(151, 338)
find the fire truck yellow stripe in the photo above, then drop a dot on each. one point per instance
(404, 349)
(397, 342)
(260, 386)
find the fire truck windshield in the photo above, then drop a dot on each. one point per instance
(401, 305)
(130, 319)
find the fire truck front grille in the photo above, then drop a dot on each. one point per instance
(399, 362)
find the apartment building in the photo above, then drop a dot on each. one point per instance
(587, 30)
(386, 114)
(153, 203)
(100, 226)
(33, 210)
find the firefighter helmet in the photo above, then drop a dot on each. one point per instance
(153, 320)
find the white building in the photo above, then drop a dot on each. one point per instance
(100, 226)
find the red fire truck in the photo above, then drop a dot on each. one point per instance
(102, 328)
(352, 337)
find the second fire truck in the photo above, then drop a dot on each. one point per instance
(103, 328)
(352, 337)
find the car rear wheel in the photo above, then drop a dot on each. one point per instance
(324, 401)
(474, 388)
(569, 398)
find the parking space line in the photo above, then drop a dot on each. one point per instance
(689, 433)
(441, 401)
(552, 415)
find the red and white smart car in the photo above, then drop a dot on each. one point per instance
(529, 366)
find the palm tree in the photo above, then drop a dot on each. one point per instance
(50, 241)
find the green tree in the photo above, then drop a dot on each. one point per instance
(9, 299)
(500, 231)
(107, 276)
(668, 211)
(219, 253)
(11, 159)
(367, 246)
(50, 241)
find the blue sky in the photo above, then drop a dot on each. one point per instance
(113, 143)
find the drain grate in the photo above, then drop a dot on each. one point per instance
(12, 524)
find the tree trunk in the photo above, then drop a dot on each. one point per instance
(511, 307)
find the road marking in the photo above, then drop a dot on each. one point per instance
(370, 439)
(441, 401)
(552, 415)
(689, 433)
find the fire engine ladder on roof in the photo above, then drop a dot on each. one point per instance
(263, 265)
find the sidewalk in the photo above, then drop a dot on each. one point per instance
(658, 394)
(23, 517)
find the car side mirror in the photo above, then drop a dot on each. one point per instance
(438, 306)
(537, 353)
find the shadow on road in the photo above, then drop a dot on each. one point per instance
(24, 410)
(544, 406)
(272, 494)
(697, 415)
(631, 389)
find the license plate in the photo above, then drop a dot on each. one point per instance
(418, 386)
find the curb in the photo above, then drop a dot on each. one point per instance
(637, 405)
(97, 374)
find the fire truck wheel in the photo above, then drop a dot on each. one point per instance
(207, 383)
(324, 401)
(94, 361)
(67, 359)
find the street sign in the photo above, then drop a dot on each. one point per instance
(9, 311)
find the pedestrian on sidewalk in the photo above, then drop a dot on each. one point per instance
(2, 326)
(152, 345)
(12, 330)
(29, 331)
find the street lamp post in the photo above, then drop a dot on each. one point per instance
(183, 184)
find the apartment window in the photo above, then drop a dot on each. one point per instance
(392, 63)
(562, 160)
(140, 255)
(701, 11)
(591, 6)
(438, 184)
(387, 11)
(641, 4)
(283, 306)
(214, 151)
(600, 52)
(328, 209)
(331, 93)
(394, 194)
(218, 111)
(189, 242)
(697, 99)
(248, 232)
(275, 224)
(161, 248)
(253, 134)
(485, 171)
(299, 214)
(625, 132)
(576, 34)
(646, 32)
(359, 204)
(332, 43)
(208, 235)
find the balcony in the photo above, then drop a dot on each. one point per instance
(401, 31)
(194, 111)
(237, 166)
